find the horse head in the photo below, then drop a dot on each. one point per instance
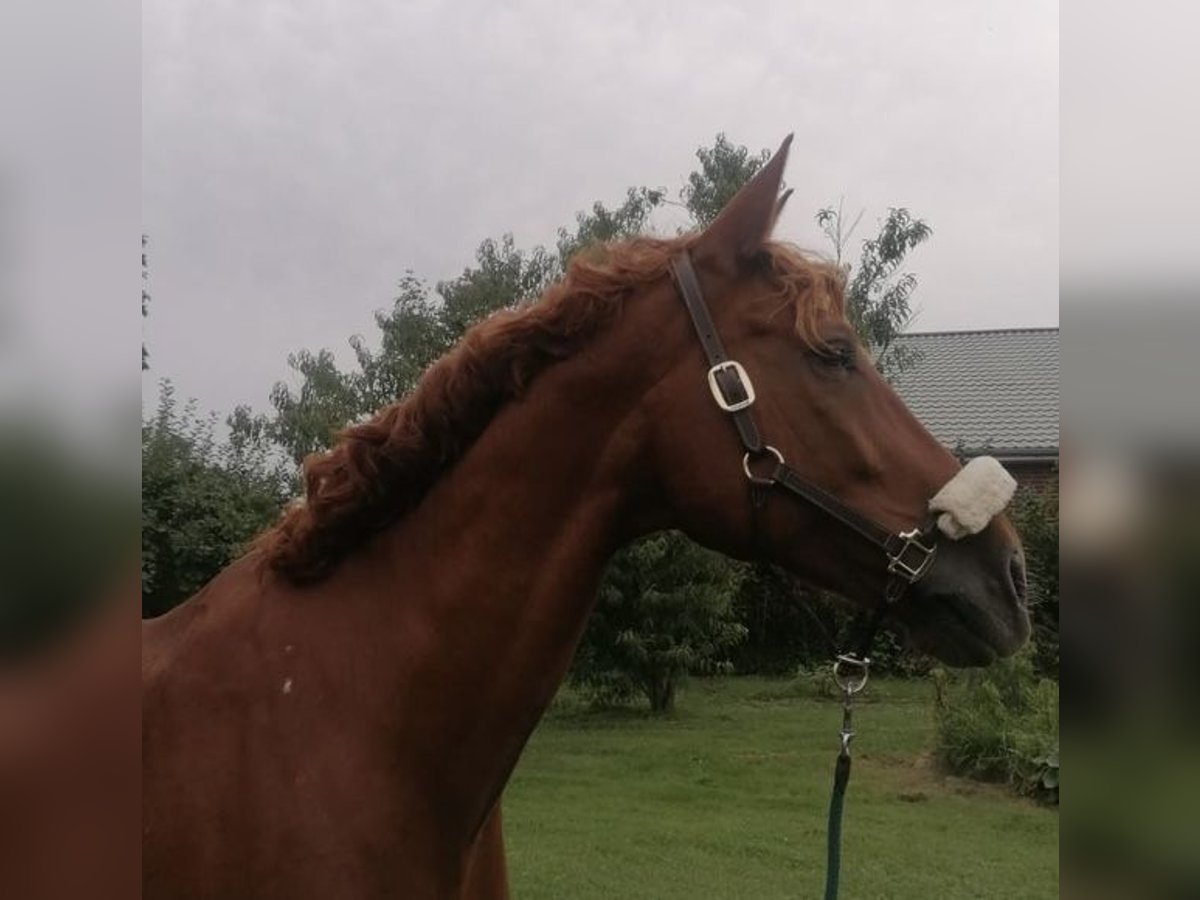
(822, 409)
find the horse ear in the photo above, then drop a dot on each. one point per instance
(783, 199)
(745, 223)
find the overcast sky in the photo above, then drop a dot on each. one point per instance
(299, 156)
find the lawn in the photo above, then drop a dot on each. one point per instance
(728, 799)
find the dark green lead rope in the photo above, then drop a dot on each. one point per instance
(833, 861)
(850, 685)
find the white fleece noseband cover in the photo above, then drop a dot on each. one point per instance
(969, 500)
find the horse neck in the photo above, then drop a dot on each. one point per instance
(488, 584)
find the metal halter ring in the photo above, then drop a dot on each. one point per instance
(851, 684)
(758, 479)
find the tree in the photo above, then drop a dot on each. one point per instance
(201, 500)
(724, 168)
(664, 610)
(307, 420)
(503, 277)
(603, 224)
(878, 296)
(413, 334)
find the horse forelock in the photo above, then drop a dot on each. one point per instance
(814, 287)
(379, 470)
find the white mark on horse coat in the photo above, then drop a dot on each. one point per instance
(287, 685)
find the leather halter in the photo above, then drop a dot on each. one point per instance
(909, 554)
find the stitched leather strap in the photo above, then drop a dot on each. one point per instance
(714, 351)
(787, 477)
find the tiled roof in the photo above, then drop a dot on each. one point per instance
(989, 391)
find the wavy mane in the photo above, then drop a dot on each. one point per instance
(379, 470)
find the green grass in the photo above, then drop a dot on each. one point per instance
(728, 799)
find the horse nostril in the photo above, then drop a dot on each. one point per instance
(1016, 575)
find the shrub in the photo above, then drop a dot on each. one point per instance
(1000, 724)
(1035, 513)
(664, 610)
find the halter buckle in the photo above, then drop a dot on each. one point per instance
(914, 558)
(743, 381)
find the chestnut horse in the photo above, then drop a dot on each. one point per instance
(337, 713)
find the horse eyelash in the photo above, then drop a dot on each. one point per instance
(839, 355)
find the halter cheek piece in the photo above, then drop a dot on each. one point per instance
(909, 554)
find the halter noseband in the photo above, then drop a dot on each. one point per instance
(909, 554)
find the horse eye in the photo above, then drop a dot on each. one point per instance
(837, 355)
